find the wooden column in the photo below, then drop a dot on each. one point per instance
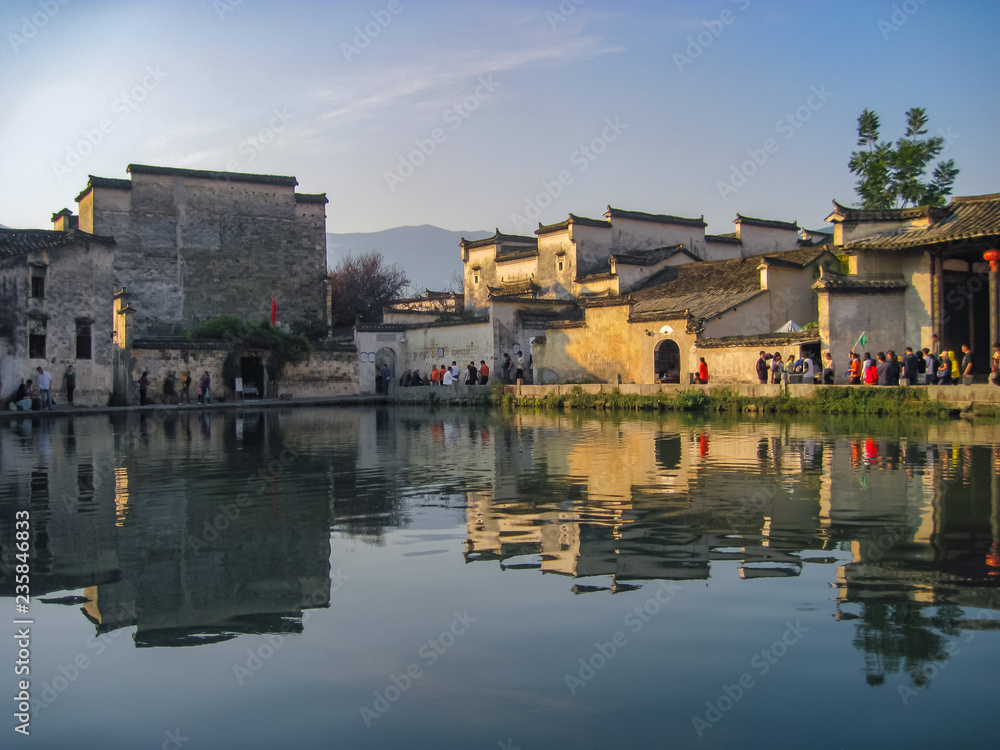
(937, 297)
(994, 308)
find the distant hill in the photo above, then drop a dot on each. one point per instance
(429, 255)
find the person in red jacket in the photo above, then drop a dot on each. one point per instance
(702, 370)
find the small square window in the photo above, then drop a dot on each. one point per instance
(37, 287)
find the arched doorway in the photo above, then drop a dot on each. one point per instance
(667, 362)
(384, 356)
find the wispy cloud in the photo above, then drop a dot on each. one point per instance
(339, 101)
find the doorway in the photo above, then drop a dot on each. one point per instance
(667, 362)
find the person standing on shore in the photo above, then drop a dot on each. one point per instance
(484, 372)
(45, 387)
(943, 370)
(69, 383)
(519, 373)
(762, 368)
(205, 389)
(828, 372)
(995, 364)
(505, 369)
(854, 369)
(143, 387)
(777, 368)
(186, 387)
(910, 366)
(967, 361)
(930, 367)
(702, 371)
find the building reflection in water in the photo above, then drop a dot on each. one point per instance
(197, 528)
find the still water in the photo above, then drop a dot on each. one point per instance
(458, 579)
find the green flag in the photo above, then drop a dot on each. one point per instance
(863, 341)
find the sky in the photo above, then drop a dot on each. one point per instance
(483, 115)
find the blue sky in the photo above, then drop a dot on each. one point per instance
(473, 115)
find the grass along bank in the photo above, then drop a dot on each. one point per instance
(823, 400)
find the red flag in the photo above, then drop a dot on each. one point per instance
(274, 309)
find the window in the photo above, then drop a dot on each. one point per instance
(37, 287)
(36, 346)
(561, 264)
(83, 340)
(475, 277)
(36, 338)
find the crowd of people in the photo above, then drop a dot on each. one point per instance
(927, 366)
(36, 394)
(511, 370)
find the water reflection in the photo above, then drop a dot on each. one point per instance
(196, 528)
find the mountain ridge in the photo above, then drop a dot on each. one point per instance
(429, 255)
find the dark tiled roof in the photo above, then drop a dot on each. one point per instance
(966, 218)
(311, 198)
(103, 182)
(206, 174)
(573, 219)
(750, 221)
(728, 238)
(15, 242)
(497, 239)
(764, 340)
(520, 288)
(599, 276)
(516, 253)
(833, 281)
(709, 288)
(618, 213)
(650, 257)
(854, 215)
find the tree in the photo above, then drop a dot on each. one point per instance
(892, 176)
(245, 335)
(361, 287)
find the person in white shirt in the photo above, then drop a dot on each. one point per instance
(448, 378)
(808, 370)
(45, 387)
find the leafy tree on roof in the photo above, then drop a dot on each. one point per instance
(893, 176)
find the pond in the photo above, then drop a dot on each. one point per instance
(409, 578)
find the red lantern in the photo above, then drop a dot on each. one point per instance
(993, 256)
